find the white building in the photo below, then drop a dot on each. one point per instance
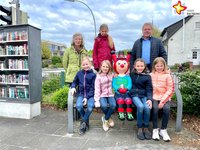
(182, 41)
(56, 48)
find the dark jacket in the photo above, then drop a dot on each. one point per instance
(141, 85)
(157, 50)
(85, 82)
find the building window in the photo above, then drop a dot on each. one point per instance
(194, 55)
(197, 25)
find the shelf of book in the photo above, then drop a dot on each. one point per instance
(20, 69)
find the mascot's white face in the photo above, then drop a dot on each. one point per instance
(121, 66)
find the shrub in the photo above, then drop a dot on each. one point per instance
(56, 59)
(186, 65)
(46, 63)
(60, 97)
(59, 65)
(190, 90)
(51, 84)
(46, 99)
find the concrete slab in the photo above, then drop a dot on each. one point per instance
(49, 132)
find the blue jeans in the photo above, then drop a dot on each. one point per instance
(143, 112)
(165, 117)
(85, 114)
(108, 111)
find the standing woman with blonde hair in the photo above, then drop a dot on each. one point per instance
(73, 57)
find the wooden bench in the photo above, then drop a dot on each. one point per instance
(74, 115)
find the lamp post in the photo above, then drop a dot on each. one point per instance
(90, 11)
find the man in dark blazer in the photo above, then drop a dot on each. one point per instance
(147, 47)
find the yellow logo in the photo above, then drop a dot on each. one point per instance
(179, 7)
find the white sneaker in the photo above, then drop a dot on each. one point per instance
(155, 135)
(165, 135)
(105, 123)
(111, 122)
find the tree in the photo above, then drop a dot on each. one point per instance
(90, 53)
(46, 52)
(156, 32)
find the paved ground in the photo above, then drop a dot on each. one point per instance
(49, 132)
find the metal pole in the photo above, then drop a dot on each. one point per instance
(183, 36)
(90, 11)
(62, 79)
(92, 16)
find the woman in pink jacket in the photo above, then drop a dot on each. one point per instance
(104, 95)
(163, 89)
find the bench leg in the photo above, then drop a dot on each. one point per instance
(76, 114)
(179, 110)
(70, 114)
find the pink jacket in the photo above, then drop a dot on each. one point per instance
(101, 50)
(163, 86)
(103, 86)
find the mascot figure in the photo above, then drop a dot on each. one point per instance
(121, 85)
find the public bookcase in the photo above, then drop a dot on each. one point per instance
(20, 71)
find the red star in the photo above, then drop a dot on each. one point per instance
(179, 8)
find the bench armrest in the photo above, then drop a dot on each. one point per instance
(70, 113)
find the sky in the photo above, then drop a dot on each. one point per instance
(60, 19)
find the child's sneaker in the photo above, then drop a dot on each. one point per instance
(164, 134)
(147, 134)
(105, 123)
(87, 125)
(82, 128)
(155, 135)
(121, 116)
(130, 117)
(111, 122)
(140, 134)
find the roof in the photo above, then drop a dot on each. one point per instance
(54, 43)
(172, 29)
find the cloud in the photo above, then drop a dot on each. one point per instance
(134, 16)
(59, 19)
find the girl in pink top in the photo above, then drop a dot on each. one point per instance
(163, 88)
(103, 93)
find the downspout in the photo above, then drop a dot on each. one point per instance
(183, 36)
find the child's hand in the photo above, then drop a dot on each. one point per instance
(97, 104)
(72, 91)
(84, 101)
(160, 105)
(149, 102)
